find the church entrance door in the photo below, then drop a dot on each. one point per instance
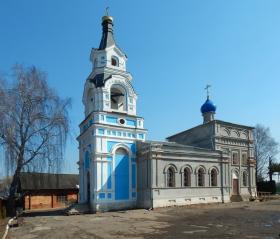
(121, 175)
(235, 183)
(235, 190)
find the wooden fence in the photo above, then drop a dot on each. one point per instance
(262, 196)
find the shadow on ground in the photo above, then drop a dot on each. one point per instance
(45, 213)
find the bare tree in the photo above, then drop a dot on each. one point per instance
(266, 148)
(272, 169)
(33, 125)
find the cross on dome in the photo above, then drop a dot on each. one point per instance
(207, 90)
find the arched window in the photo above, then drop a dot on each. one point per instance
(121, 151)
(170, 177)
(200, 177)
(245, 179)
(213, 175)
(118, 101)
(244, 158)
(187, 177)
(114, 61)
(235, 159)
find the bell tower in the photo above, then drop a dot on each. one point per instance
(110, 130)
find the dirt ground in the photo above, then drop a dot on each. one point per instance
(232, 220)
(3, 223)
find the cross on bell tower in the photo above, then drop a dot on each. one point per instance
(107, 11)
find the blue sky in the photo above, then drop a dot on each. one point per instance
(174, 49)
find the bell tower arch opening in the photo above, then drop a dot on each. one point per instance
(118, 98)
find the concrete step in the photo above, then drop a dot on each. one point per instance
(78, 209)
(236, 198)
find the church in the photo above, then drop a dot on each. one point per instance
(120, 169)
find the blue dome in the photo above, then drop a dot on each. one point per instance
(208, 106)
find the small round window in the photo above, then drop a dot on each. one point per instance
(122, 121)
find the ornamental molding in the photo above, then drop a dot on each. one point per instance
(237, 131)
(95, 155)
(183, 154)
(109, 71)
(120, 80)
(187, 158)
(232, 141)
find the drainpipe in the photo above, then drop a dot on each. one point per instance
(151, 180)
(222, 177)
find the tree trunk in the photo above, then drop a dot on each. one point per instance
(257, 172)
(11, 204)
(270, 173)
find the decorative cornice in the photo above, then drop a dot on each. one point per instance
(187, 157)
(94, 155)
(231, 141)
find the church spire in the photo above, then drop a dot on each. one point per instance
(107, 39)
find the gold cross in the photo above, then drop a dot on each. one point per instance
(107, 11)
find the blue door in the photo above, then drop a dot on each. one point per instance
(121, 176)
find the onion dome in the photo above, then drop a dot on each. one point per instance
(208, 106)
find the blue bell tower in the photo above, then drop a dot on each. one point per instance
(110, 129)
